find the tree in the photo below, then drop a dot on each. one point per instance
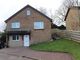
(46, 12)
(62, 27)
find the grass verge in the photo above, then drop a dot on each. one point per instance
(60, 45)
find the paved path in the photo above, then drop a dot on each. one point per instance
(28, 54)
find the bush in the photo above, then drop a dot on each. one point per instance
(55, 36)
(56, 33)
(2, 40)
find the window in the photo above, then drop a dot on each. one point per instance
(15, 37)
(39, 25)
(28, 12)
(15, 25)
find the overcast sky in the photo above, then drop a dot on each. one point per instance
(9, 7)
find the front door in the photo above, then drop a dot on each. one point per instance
(26, 40)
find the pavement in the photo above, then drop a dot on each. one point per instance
(28, 54)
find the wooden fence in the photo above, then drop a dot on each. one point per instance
(73, 35)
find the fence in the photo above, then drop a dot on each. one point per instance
(73, 35)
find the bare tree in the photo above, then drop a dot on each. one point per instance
(48, 13)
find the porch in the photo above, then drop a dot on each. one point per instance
(17, 38)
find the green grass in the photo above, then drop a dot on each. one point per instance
(61, 45)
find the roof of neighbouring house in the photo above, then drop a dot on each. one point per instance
(67, 14)
(23, 9)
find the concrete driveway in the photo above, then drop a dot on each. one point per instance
(28, 54)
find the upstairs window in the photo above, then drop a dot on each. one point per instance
(38, 25)
(15, 25)
(28, 12)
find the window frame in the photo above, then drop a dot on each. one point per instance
(15, 25)
(37, 25)
(28, 12)
(15, 37)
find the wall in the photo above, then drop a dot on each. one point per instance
(13, 43)
(73, 19)
(72, 35)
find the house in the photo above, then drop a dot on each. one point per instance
(73, 19)
(27, 26)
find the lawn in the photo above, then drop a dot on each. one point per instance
(60, 45)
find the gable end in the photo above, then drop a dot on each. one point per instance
(33, 9)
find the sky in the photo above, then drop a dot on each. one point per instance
(9, 7)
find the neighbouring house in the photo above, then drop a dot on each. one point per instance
(73, 19)
(27, 26)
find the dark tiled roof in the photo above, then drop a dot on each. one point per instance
(54, 26)
(17, 32)
(33, 9)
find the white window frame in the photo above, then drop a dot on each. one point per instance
(28, 12)
(15, 25)
(39, 25)
(16, 38)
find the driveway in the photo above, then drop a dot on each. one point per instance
(28, 54)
